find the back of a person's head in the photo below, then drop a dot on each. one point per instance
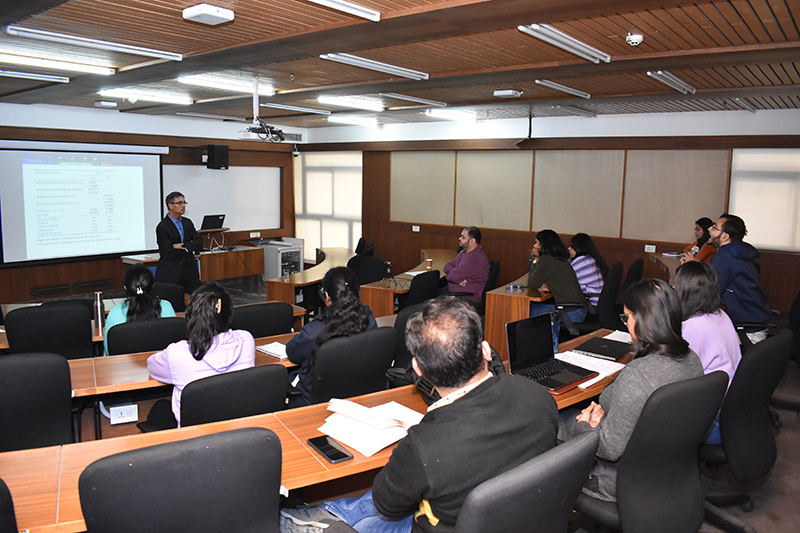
(551, 244)
(734, 227)
(697, 286)
(584, 245)
(138, 281)
(474, 233)
(341, 284)
(445, 338)
(208, 314)
(657, 310)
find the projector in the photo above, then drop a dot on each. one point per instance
(208, 14)
(263, 131)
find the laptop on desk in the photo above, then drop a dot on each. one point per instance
(603, 348)
(530, 354)
(212, 222)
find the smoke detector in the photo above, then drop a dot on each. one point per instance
(208, 14)
(634, 39)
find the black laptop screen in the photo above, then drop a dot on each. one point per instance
(530, 342)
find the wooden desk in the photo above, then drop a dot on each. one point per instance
(44, 482)
(504, 306)
(668, 264)
(283, 291)
(380, 294)
(216, 265)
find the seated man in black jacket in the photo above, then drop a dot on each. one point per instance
(483, 426)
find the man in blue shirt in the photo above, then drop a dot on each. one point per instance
(177, 242)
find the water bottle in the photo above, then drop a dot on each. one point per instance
(99, 310)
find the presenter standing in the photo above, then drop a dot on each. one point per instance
(177, 242)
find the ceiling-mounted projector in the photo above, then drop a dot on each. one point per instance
(208, 14)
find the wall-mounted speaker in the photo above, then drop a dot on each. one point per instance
(217, 156)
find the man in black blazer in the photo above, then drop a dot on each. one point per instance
(177, 242)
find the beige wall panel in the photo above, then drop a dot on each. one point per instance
(578, 191)
(667, 190)
(423, 185)
(493, 189)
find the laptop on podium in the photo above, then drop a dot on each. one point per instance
(530, 354)
(212, 222)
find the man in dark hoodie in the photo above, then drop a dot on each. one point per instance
(743, 296)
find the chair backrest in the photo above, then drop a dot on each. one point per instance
(146, 335)
(658, 478)
(607, 315)
(248, 392)
(537, 495)
(371, 269)
(264, 320)
(8, 520)
(35, 401)
(64, 328)
(423, 287)
(225, 481)
(491, 282)
(171, 292)
(794, 326)
(747, 434)
(402, 357)
(634, 274)
(354, 263)
(362, 242)
(354, 365)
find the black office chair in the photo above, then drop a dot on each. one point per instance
(146, 335)
(371, 269)
(35, 401)
(265, 319)
(423, 287)
(362, 242)
(354, 263)
(402, 357)
(253, 391)
(537, 495)
(748, 439)
(8, 520)
(606, 315)
(634, 274)
(227, 481)
(658, 478)
(64, 328)
(491, 283)
(350, 366)
(171, 292)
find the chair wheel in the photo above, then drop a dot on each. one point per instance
(746, 506)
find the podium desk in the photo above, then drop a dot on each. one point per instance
(503, 306)
(380, 294)
(283, 290)
(216, 265)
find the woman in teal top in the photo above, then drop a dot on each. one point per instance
(140, 304)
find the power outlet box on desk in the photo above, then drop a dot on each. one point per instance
(123, 414)
(649, 248)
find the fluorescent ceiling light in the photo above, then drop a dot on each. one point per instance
(369, 64)
(669, 79)
(349, 7)
(423, 101)
(575, 111)
(561, 40)
(355, 121)
(352, 101)
(452, 114)
(229, 118)
(745, 104)
(105, 103)
(31, 76)
(226, 83)
(297, 108)
(54, 64)
(563, 88)
(137, 94)
(86, 42)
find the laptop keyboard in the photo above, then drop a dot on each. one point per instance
(545, 370)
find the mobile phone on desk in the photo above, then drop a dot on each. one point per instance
(330, 449)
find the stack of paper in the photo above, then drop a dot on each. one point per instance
(368, 430)
(275, 349)
(603, 367)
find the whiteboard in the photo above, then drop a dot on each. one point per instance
(250, 197)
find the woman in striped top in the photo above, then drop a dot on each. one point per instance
(588, 265)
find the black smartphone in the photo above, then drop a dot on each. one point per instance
(330, 449)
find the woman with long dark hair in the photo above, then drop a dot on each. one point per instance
(701, 249)
(588, 264)
(344, 315)
(551, 272)
(652, 313)
(140, 303)
(708, 330)
(212, 348)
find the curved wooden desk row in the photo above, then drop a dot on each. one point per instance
(44, 482)
(284, 290)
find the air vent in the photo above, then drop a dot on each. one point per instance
(92, 286)
(45, 292)
(294, 137)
